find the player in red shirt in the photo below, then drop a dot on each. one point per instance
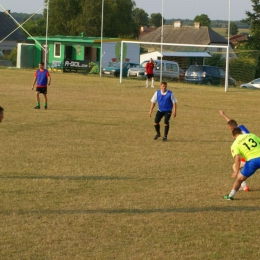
(149, 67)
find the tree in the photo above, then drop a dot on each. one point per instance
(203, 19)
(253, 21)
(156, 20)
(63, 17)
(72, 17)
(233, 29)
(36, 27)
(141, 18)
(252, 42)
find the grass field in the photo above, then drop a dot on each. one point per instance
(86, 180)
(223, 31)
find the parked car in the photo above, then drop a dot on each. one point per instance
(170, 70)
(203, 74)
(114, 68)
(231, 81)
(252, 84)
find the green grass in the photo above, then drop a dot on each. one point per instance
(223, 31)
(86, 180)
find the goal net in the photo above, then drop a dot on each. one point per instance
(183, 39)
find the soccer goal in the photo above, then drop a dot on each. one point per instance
(185, 55)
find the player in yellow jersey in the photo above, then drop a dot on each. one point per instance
(247, 146)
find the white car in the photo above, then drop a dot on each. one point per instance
(253, 84)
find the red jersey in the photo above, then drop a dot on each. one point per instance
(149, 68)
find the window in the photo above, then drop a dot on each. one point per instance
(159, 65)
(171, 67)
(57, 49)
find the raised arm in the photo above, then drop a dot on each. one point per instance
(224, 115)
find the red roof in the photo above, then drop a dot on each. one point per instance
(237, 38)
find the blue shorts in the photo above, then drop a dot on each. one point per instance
(250, 167)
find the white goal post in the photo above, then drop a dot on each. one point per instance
(182, 45)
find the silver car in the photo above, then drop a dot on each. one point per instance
(170, 70)
(253, 84)
(138, 72)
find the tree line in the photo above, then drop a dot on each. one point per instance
(121, 18)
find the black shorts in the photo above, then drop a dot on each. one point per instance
(159, 115)
(42, 90)
(148, 76)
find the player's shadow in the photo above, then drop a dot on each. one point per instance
(75, 178)
(132, 211)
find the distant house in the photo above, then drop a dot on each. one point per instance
(178, 34)
(8, 25)
(144, 30)
(237, 40)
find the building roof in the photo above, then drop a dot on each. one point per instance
(144, 30)
(195, 54)
(202, 35)
(74, 39)
(237, 38)
(7, 26)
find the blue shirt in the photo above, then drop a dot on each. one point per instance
(42, 77)
(164, 101)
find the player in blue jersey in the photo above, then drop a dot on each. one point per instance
(43, 79)
(1, 114)
(167, 106)
(231, 125)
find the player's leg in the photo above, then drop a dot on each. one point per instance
(45, 101)
(244, 186)
(157, 120)
(248, 170)
(152, 85)
(146, 81)
(37, 95)
(235, 187)
(167, 116)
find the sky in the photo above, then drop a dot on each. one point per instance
(171, 9)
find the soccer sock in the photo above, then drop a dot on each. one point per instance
(243, 184)
(37, 104)
(45, 104)
(232, 193)
(166, 130)
(157, 128)
(152, 82)
(147, 83)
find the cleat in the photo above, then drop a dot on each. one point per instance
(226, 197)
(246, 188)
(37, 107)
(152, 86)
(156, 136)
(45, 107)
(164, 139)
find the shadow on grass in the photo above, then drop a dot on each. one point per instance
(133, 211)
(74, 178)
